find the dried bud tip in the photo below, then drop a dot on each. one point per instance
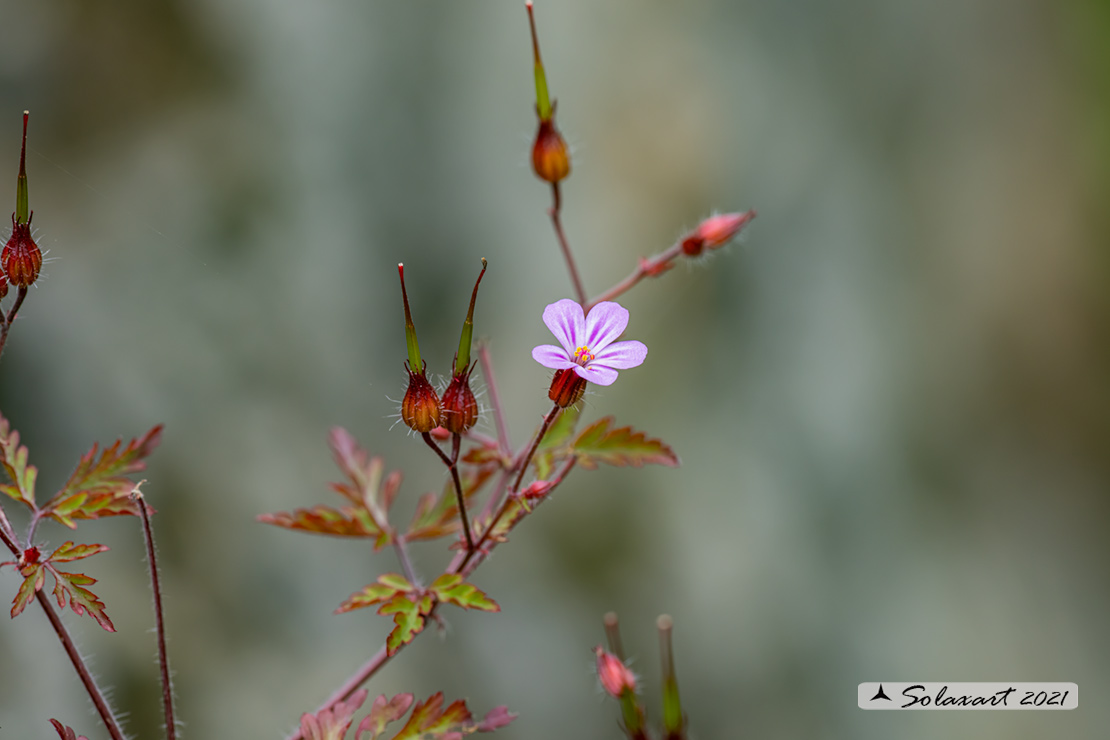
(615, 676)
(715, 232)
(410, 328)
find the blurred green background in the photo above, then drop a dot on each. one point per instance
(891, 398)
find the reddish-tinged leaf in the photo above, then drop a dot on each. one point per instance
(515, 510)
(430, 720)
(99, 487)
(13, 457)
(496, 718)
(486, 455)
(381, 714)
(65, 732)
(33, 578)
(450, 587)
(408, 618)
(350, 521)
(388, 585)
(69, 551)
(438, 516)
(599, 442)
(364, 473)
(332, 724)
(81, 600)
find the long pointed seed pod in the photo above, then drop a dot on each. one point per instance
(420, 406)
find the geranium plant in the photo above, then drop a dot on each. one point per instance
(493, 484)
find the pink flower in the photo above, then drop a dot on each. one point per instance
(588, 342)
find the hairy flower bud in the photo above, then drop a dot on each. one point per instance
(21, 258)
(420, 406)
(615, 676)
(567, 388)
(550, 159)
(460, 408)
(715, 232)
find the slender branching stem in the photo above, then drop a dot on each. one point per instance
(7, 533)
(159, 618)
(454, 469)
(458, 565)
(9, 539)
(557, 222)
(6, 321)
(486, 362)
(535, 443)
(652, 266)
(400, 544)
(82, 670)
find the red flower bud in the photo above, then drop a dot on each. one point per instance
(420, 406)
(3, 285)
(21, 258)
(715, 231)
(550, 159)
(567, 387)
(460, 408)
(615, 676)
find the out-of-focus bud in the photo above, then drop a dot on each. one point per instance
(673, 721)
(420, 406)
(567, 388)
(615, 676)
(21, 258)
(550, 158)
(715, 232)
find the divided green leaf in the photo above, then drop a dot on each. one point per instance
(69, 551)
(382, 713)
(601, 443)
(80, 598)
(451, 588)
(99, 487)
(13, 457)
(33, 577)
(368, 489)
(408, 618)
(332, 723)
(388, 586)
(431, 720)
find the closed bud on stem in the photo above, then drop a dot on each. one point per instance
(460, 408)
(615, 676)
(3, 284)
(420, 406)
(715, 232)
(550, 158)
(567, 388)
(21, 258)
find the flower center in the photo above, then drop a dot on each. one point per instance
(582, 356)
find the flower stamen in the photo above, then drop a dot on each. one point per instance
(582, 356)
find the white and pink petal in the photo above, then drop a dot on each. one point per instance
(565, 320)
(551, 356)
(606, 322)
(621, 355)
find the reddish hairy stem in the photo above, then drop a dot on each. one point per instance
(494, 398)
(79, 666)
(535, 443)
(399, 543)
(6, 322)
(557, 222)
(159, 620)
(380, 658)
(646, 267)
(454, 468)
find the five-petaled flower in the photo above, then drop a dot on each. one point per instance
(589, 345)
